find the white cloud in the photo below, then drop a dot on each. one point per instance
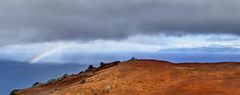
(138, 43)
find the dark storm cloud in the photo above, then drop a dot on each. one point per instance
(53, 20)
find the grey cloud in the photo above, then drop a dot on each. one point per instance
(53, 20)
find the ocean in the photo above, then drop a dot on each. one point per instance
(15, 75)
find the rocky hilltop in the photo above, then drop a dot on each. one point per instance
(145, 77)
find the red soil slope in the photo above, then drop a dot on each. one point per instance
(147, 77)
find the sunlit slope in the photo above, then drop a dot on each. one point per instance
(146, 77)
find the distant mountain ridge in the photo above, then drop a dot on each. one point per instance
(229, 50)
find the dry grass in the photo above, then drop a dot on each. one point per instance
(148, 77)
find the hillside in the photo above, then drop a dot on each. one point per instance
(145, 77)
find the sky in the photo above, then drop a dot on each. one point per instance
(37, 27)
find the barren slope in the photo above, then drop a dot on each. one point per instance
(147, 77)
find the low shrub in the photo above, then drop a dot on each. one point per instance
(37, 84)
(65, 76)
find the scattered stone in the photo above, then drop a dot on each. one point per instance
(82, 81)
(106, 89)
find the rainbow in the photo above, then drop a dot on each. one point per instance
(42, 55)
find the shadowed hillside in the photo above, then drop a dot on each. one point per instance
(145, 77)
